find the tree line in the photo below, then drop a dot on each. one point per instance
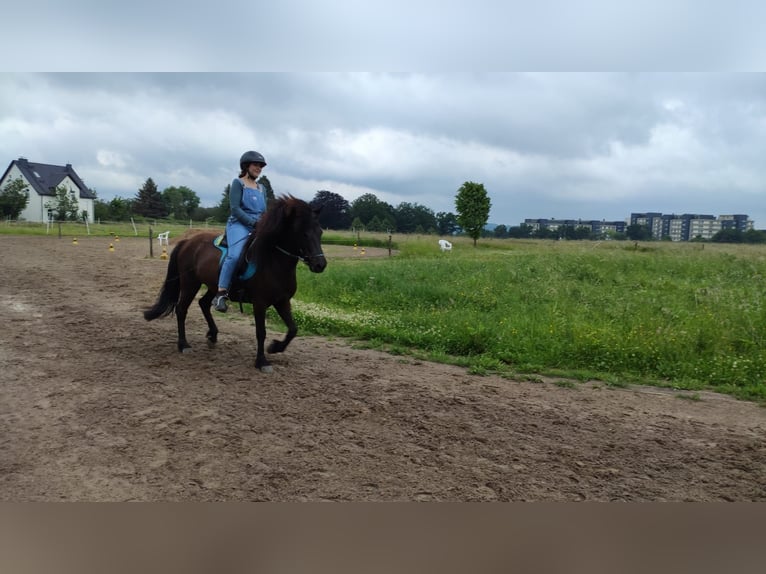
(181, 203)
(366, 212)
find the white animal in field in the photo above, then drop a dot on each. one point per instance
(445, 245)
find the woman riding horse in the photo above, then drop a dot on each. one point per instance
(288, 232)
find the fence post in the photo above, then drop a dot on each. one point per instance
(151, 242)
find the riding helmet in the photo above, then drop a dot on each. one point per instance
(251, 157)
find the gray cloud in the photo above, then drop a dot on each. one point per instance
(584, 145)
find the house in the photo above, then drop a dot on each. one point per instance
(43, 179)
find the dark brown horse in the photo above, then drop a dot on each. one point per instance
(287, 233)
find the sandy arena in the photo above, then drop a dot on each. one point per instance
(96, 404)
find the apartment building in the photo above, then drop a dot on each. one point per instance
(689, 225)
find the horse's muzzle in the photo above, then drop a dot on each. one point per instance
(316, 263)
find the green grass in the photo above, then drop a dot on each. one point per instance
(120, 229)
(676, 315)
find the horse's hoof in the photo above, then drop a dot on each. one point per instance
(186, 350)
(267, 369)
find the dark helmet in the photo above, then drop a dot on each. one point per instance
(251, 157)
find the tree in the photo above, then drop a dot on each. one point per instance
(269, 190)
(377, 224)
(520, 231)
(65, 205)
(754, 236)
(472, 204)
(118, 209)
(148, 201)
(638, 232)
(14, 198)
(410, 217)
(221, 211)
(446, 223)
(335, 211)
(180, 202)
(367, 206)
(357, 224)
(501, 231)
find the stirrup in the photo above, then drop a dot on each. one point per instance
(219, 302)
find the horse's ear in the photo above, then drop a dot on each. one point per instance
(317, 209)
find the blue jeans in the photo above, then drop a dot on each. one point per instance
(236, 234)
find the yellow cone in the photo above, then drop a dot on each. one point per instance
(362, 250)
(116, 237)
(111, 247)
(164, 253)
(74, 241)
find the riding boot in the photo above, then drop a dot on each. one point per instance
(219, 301)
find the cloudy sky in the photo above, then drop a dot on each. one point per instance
(565, 145)
(147, 89)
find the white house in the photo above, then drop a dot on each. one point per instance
(43, 179)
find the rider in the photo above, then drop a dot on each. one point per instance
(247, 202)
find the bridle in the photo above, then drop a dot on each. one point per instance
(304, 258)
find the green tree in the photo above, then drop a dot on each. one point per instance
(148, 201)
(222, 210)
(357, 224)
(335, 210)
(521, 231)
(472, 205)
(269, 190)
(117, 209)
(65, 206)
(410, 217)
(500, 231)
(14, 198)
(446, 223)
(754, 236)
(180, 202)
(367, 206)
(728, 236)
(377, 224)
(638, 232)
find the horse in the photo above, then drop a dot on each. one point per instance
(288, 232)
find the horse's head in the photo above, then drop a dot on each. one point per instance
(294, 226)
(308, 233)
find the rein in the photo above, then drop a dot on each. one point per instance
(304, 258)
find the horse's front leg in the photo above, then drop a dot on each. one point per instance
(260, 336)
(286, 313)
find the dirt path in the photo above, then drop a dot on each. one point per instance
(96, 404)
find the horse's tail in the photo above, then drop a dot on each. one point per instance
(171, 289)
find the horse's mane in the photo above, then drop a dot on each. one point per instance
(279, 210)
(271, 227)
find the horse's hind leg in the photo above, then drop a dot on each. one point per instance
(188, 291)
(286, 313)
(212, 329)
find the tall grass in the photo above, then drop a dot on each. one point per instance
(685, 315)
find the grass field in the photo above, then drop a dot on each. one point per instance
(684, 315)
(121, 229)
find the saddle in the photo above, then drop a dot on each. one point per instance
(242, 272)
